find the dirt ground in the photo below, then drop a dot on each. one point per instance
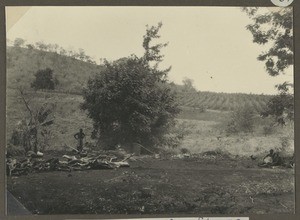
(161, 186)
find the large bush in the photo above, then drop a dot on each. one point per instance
(281, 108)
(130, 101)
(44, 80)
(241, 120)
(129, 104)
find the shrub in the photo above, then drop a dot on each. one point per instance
(241, 120)
(184, 151)
(44, 80)
(129, 104)
(268, 129)
(281, 107)
(130, 101)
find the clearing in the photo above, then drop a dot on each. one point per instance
(208, 184)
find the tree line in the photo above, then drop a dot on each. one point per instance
(53, 48)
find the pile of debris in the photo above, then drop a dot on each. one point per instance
(36, 163)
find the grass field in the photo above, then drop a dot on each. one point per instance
(208, 136)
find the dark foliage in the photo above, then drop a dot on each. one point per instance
(152, 53)
(19, 42)
(241, 120)
(276, 29)
(44, 80)
(281, 107)
(128, 104)
(130, 100)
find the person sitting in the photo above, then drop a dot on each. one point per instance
(271, 159)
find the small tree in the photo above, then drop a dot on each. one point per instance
(130, 101)
(44, 80)
(33, 131)
(41, 45)
(128, 104)
(81, 54)
(30, 46)
(19, 42)
(188, 85)
(281, 106)
(241, 120)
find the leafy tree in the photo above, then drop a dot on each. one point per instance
(19, 42)
(81, 54)
(55, 47)
(44, 80)
(62, 51)
(130, 101)
(41, 45)
(188, 85)
(34, 130)
(30, 46)
(281, 107)
(275, 28)
(153, 52)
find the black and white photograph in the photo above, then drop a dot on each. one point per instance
(149, 110)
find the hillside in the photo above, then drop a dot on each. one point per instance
(23, 63)
(223, 101)
(73, 74)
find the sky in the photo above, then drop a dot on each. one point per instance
(209, 45)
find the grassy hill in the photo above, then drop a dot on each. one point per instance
(23, 63)
(72, 74)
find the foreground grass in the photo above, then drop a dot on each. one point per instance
(156, 186)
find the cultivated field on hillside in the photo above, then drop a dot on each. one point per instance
(223, 101)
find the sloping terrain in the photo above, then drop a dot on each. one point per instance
(73, 74)
(23, 63)
(223, 101)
